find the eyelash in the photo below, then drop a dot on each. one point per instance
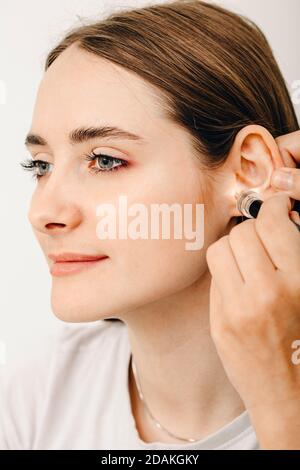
(31, 165)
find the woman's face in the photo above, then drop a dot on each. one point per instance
(83, 90)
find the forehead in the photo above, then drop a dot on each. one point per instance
(80, 87)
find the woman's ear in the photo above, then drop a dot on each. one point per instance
(251, 161)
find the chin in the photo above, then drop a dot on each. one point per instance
(78, 309)
(70, 315)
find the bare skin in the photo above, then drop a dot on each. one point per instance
(259, 329)
(160, 290)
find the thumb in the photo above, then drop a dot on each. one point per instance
(288, 180)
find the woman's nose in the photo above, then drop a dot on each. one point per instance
(54, 208)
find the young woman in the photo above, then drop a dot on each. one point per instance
(177, 103)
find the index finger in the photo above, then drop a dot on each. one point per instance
(294, 190)
(289, 147)
(278, 233)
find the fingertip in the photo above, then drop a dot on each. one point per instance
(281, 199)
(295, 217)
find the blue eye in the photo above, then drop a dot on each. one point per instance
(105, 164)
(38, 167)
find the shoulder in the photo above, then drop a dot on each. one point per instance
(33, 367)
(84, 337)
(27, 384)
(23, 381)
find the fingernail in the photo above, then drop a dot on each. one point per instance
(282, 179)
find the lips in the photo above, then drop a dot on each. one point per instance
(71, 263)
(74, 257)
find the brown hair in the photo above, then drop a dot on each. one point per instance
(214, 69)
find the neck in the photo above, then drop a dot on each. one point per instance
(180, 373)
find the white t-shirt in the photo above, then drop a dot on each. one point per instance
(76, 396)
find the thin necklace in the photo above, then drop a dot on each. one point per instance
(157, 424)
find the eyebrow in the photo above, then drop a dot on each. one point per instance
(84, 134)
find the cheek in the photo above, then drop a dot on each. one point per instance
(150, 269)
(146, 269)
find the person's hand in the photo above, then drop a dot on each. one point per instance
(287, 179)
(255, 314)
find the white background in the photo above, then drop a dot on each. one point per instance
(28, 29)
